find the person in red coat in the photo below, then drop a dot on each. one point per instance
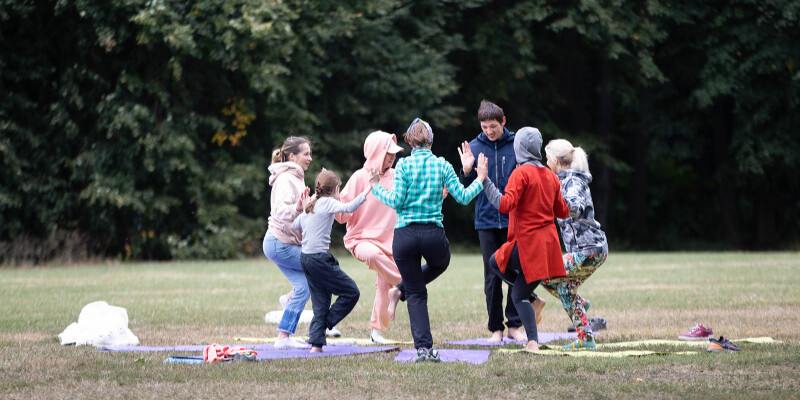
(532, 253)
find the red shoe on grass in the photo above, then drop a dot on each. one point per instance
(698, 332)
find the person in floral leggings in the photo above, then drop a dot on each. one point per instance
(583, 239)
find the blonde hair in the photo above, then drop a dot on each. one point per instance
(291, 145)
(324, 186)
(418, 135)
(566, 154)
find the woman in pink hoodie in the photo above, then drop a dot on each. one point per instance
(371, 228)
(281, 242)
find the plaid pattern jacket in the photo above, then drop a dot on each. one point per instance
(418, 187)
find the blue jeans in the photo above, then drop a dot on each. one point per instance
(287, 258)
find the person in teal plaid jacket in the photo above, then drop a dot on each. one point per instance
(417, 194)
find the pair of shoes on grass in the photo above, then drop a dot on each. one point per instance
(427, 355)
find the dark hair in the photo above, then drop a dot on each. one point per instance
(325, 184)
(489, 111)
(291, 145)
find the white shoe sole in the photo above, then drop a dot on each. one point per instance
(693, 338)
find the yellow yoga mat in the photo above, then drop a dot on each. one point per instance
(698, 343)
(596, 354)
(357, 341)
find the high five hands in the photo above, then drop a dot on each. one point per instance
(483, 167)
(467, 158)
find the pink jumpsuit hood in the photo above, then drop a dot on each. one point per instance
(375, 148)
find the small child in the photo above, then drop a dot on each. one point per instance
(324, 276)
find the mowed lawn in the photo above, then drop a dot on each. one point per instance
(642, 296)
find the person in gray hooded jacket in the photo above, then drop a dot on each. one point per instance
(583, 239)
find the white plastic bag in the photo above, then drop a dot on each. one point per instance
(100, 325)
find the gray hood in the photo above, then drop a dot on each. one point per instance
(528, 146)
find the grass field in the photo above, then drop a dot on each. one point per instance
(642, 295)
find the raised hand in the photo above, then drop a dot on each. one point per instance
(483, 167)
(374, 177)
(467, 158)
(301, 202)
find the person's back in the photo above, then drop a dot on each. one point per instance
(316, 225)
(580, 231)
(541, 187)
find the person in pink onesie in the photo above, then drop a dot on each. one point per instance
(371, 228)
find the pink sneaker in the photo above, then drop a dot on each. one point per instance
(698, 332)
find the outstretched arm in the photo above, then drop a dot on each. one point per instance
(461, 194)
(399, 191)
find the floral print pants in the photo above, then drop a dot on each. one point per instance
(579, 267)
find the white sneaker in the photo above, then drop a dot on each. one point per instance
(333, 332)
(284, 301)
(289, 343)
(377, 338)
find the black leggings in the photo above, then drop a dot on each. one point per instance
(411, 244)
(521, 291)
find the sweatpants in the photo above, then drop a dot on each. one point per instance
(325, 279)
(387, 276)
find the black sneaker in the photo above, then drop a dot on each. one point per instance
(721, 344)
(433, 356)
(422, 355)
(597, 324)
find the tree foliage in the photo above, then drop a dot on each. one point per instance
(146, 126)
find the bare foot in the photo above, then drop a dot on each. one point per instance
(538, 305)
(497, 336)
(394, 298)
(532, 346)
(517, 334)
(319, 349)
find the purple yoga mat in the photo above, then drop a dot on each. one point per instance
(544, 337)
(339, 349)
(199, 347)
(449, 355)
(267, 351)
